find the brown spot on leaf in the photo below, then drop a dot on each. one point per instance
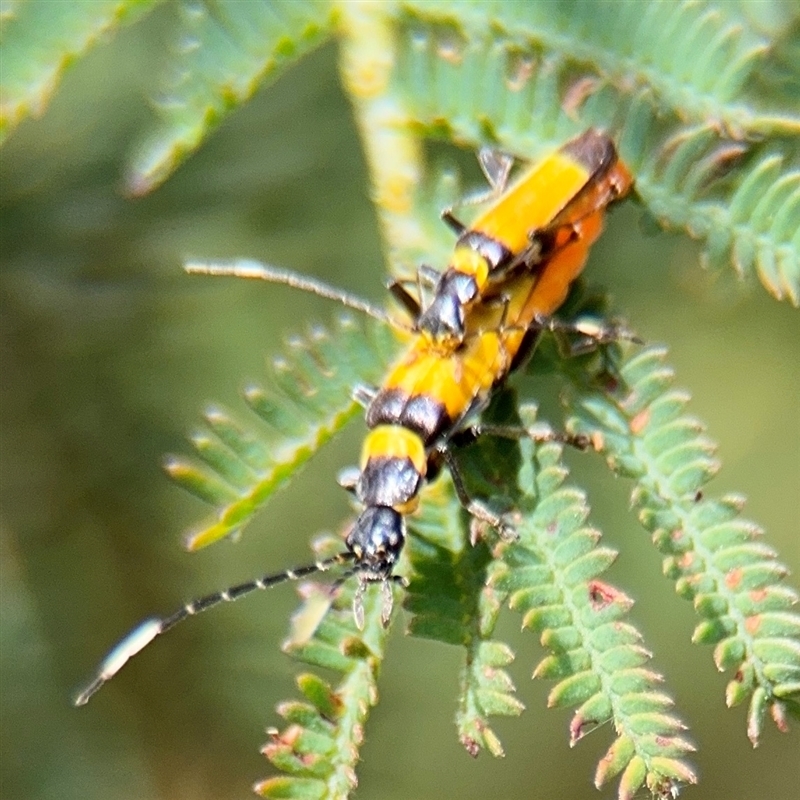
(578, 728)
(640, 421)
(677, 538)
(752, 624)
(757, 595)
(733, 578)
(598, 441)
(686, 560)
(471, 746)
(602, 594)
(577, 94)
(520, 69)
(778, 712)
(723, 160)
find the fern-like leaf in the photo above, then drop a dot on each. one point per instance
(226, 49)
(751, 219)
(755, 226)
(449, 601)
(695, 60)
(310, 399)
(319, 749)
(41, 39)
(714, 556)
(552, 577)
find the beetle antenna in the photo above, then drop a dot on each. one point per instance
(247, 268)
(149, 629)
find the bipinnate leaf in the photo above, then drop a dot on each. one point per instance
(741, 198)
(449, 601)
(319, 748)
(223, 52)
(716, 558)
(41, 39)
(695, 59)
(670, 80)
(752, 222)
(552, 576)
(241, 465)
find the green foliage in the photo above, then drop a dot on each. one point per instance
(309, 400)
(715, 557)
(41, 39)
(449, 600)
(754, 227)
(695, 58)
(680, 82)
(223, 52)
(319, 748)
(711, 159)
(740, 197)
(552, 576)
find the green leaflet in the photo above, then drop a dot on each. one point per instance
(694, 58)
(672, 79)
(319, 749)
(754, 224)
(310, 398)
(224, 51)
(448, 600)
(552, 576)
(741, 200)
(734, 581)
(42, 38)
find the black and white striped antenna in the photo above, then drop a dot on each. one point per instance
(149, 629)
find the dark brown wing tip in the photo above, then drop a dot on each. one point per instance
(594, 149)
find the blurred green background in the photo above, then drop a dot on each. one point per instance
(108, 354)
